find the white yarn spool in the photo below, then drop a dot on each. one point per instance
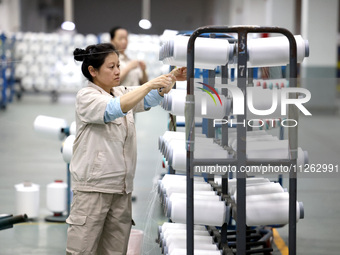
(28, 59)
(34, 70)
(46, 71)
(60, 50)
(40, 84)
(267, 197)
(179, 146)
(261, 188)
(169, 235)
(21, 49)
(50, 126)
(176, 135)
(180, 187)
(41, 60)
(181, 251)
(91, 39)
(270, 212)
(166, 184)
(200, 144)
(52, 38)
(40, 37)
(183, 196)
(67, 148)
(255, 139)
(20, 71)
(177, 158)
(175, 196)
(79, 41)
(274, 150)
(66, 39)
(27, 83)
(209, 196)
(52, 60)
(34, 48)
(27, 199)
(173, 225)
(73, 128)
(47, 48)
(181, 139)
(105, 38)
(211, 213)
(205, 106)
(174, 178)
(169, 135)
(209, 52)
(183, 244)
(56, 196)
(27, 36)
(173, 232)
(274, 51)
(181, 85)
(232, 183)
(52, 83)
(180, 237)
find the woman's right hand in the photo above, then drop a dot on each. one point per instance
(163, 81)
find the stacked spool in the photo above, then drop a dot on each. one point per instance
(267, 203)
(211, 52)
(264, 111)
(209, 209)
(28, 199)
(172, 146)
(56, 199)
(45, 63)
(205, 106)
(260, 145)
(172, 239)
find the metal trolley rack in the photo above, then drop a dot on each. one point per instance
(6, 70)
(240, 159)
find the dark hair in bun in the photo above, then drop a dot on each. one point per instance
(93, 55)
(79, 54)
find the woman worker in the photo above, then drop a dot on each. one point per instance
(104, 151)
(133, 72)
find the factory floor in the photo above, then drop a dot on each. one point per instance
(26, 156)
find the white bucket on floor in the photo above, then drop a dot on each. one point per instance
(135, 242)
(27, 199)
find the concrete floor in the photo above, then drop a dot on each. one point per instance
(24, 155)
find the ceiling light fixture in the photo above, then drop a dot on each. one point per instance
(145, 22)
(68, 23)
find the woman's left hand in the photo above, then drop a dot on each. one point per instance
(180, 73)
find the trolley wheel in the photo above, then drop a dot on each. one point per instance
(18, 95)
(54, 96)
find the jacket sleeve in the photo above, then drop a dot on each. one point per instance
(139, 107)
(91, 106)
